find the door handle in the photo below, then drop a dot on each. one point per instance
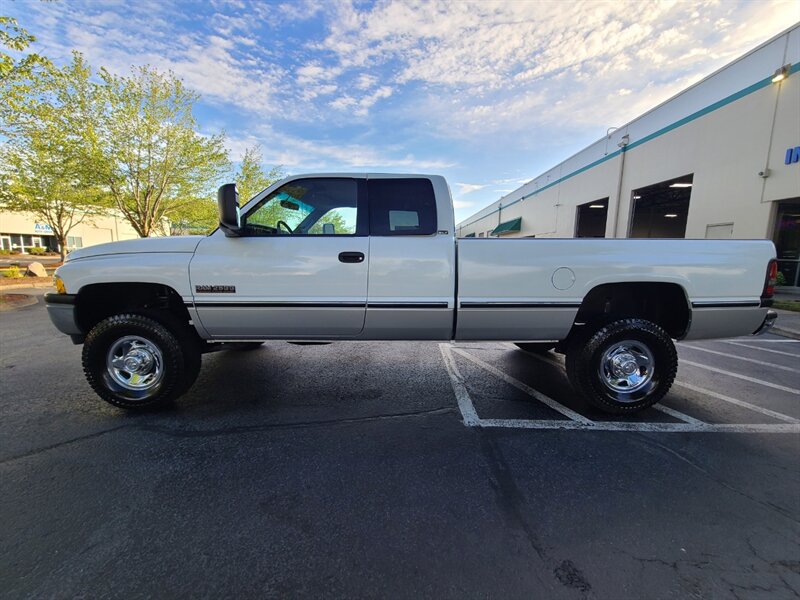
(351, 257)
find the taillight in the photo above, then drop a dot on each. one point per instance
(771, 280)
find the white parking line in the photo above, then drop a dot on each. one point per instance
(692, 425)
(552, 359)
(649, 427)
(457, 381)
(677, 414)
(737, 357)
(769, 384)
(546, 400)
(758, 341)
(770, 350)
(737, 402)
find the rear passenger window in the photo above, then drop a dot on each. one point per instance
(401, 207)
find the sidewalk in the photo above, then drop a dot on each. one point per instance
(788, 324)
(26, 282)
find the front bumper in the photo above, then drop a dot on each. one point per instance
(769, 321)
(61, 310)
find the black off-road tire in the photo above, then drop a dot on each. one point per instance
(181, 360)
(536, 347)
(584, 358)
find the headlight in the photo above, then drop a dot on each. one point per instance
(59, 283)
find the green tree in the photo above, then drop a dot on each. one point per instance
(19, 72)
(155, 162)
(251, 178)
(50, 151)
(195, 218)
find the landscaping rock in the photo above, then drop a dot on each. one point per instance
(35, 269)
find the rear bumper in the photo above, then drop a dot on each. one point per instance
(769, 321)
(61, 310)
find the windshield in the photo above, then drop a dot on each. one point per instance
(306, 207)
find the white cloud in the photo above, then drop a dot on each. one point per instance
(466, 188)
(359, 105)
(304, 154)
(495, 66)
(470, 70)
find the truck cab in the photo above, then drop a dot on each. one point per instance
(328, 257)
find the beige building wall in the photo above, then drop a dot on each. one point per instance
(21, 230)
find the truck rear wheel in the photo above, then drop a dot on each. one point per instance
(622, 367)
(133, 361)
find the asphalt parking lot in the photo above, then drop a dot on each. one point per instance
(398, 470)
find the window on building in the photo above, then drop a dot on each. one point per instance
(74, 242)
(661, 210)
(590, 219)
(401, 207)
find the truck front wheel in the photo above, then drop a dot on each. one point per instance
(622, 367)
(134, 361)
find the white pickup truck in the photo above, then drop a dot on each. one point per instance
(334, 257)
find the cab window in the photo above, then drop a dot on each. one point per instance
(401, 206)
(307, 207)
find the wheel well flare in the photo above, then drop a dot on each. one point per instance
(665, 304)
(97, 301)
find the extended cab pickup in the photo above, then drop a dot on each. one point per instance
(320, 258)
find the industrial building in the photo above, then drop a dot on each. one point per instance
(719, 160)
(22, 231)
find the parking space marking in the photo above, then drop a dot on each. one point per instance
(546, 400)
(552, 359)
(651, 427)
(737, 357)
(770, 350)
(737, 402)
(459, 389)
(676, 414)
(775, 386)
(757, 341)
(690, 424)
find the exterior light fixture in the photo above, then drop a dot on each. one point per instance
(670, 215)
(637, 197)
(681, 185)
(597, 206)
(780, 74)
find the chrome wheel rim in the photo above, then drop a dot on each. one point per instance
(135, 363)
(627, 367)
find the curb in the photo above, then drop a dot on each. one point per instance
(789, 333)
(28, 284)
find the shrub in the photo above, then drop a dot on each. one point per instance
(780, 279)
(5, 252)
(16, 251)
(37, 251)
(12, 273)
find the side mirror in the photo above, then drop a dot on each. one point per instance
(228, 203)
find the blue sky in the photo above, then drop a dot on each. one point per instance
(489, 94)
